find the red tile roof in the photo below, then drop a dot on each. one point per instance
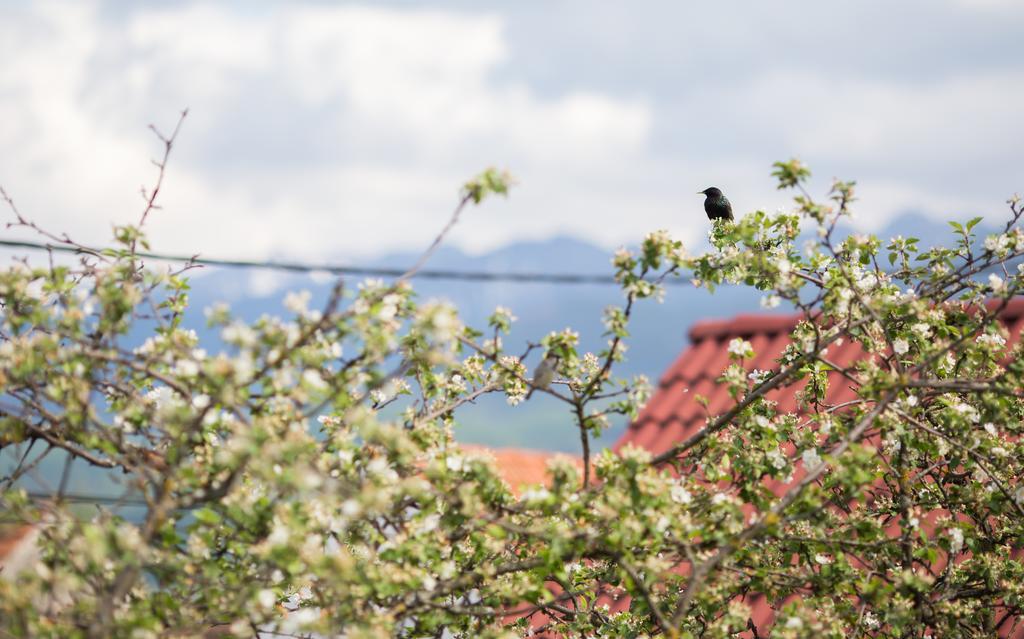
(673, 413)
(520, 467)
(17, 548)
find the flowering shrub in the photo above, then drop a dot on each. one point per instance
(281, 496)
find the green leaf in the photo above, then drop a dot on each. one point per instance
(207, 516)
(790, 174)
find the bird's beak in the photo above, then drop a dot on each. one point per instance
(701, 193)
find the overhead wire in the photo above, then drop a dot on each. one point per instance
(299, 267)
(337, 269)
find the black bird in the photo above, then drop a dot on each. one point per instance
(716, 205)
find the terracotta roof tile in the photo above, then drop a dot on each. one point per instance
(11, 537)
(674, 414)
(689, 364)
(699, 366)
(520, 467)
(743, 326)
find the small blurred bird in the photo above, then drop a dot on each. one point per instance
(544, 374)
(716, 205)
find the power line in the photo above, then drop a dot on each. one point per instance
(335, 269)
(86, 498)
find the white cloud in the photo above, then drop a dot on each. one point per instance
(937, 146)
(988, 5)
(327, 132)
(959, 116)
(264, 283)
(420, 81)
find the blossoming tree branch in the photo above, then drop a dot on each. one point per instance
(301, 475)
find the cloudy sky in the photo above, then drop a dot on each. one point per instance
(330, 131)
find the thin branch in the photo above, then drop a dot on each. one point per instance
(702, 571)
(161, 165)
(761, 390)
(466, 199)
(974, 454)
(663, 623)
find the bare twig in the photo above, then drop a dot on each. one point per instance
(161, 165)
(452, 221)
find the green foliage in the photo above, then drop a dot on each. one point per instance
(791, 173)
(304, 479)
(490, 181)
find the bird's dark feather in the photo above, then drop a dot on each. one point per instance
(718, 208)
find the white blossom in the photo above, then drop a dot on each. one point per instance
(680, 495)
(266, 599)
(505, 314)
(811, 458)
(430, 523)
(378, 466)
(240, 334)
(921, 329)
(758, 376)
(590, 364)
(163, 398)
(956, 540)
(186, 368)
(279, 535)
(314, 379)
(297, 301)
(998, 244)
(777, 459)
(740, 347)
(536, 494)
(304, 616)
(969, 412)
(457, 383)
(994, 340)
(997, 283)
(871, 621)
